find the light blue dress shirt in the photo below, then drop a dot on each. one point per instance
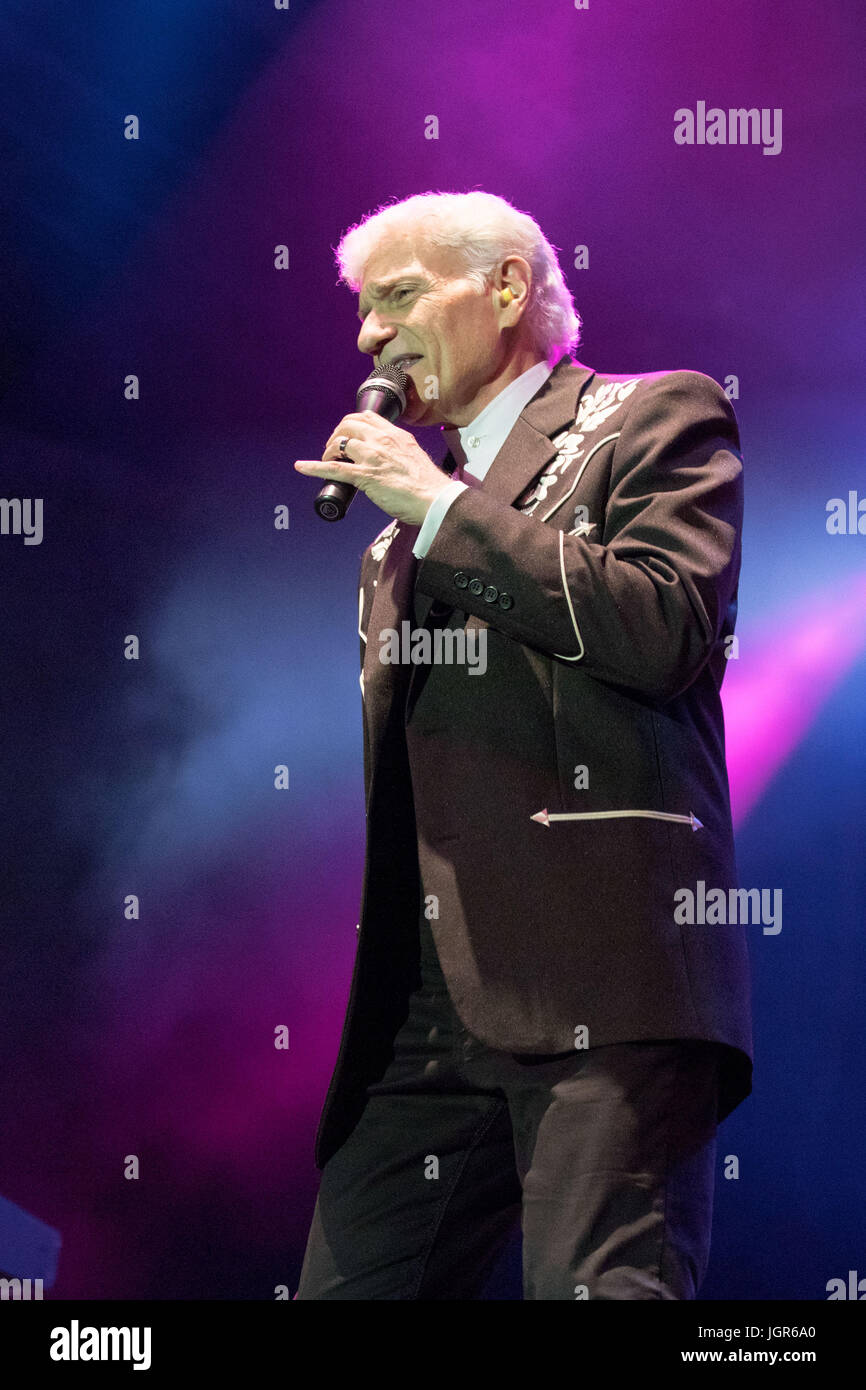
(476, 445)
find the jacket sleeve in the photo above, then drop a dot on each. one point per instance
(644, 606)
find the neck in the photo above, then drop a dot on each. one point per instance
(514, 367)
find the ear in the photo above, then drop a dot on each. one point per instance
(513, 283)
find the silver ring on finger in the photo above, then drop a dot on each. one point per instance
(341, 445)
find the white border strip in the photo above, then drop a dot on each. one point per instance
(568, 601)
(595, 448)
(545, 817)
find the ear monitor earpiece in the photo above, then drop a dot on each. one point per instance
(506, 296)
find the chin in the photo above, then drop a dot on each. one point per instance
(420, 412)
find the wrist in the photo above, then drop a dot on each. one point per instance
(429, 497)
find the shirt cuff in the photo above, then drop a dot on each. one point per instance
(435, 512)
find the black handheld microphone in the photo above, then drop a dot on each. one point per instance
(384, 392)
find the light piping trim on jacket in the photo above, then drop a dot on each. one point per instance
(594, 448)
(568, 601)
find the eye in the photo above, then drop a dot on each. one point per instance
(404, 289)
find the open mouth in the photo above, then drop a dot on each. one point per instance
(406, 361)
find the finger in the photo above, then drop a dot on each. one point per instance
(357, 452)
(332, 449)
(331, 470)
(348, 426)
(356, 426)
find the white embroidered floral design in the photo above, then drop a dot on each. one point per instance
(383, 540)
(596, 407)
(592, 411)
(569, 450)
(568, 443)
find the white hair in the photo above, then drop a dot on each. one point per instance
(484, 229)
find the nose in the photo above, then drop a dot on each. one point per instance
(374, 334)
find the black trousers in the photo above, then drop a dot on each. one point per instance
(605, 1157)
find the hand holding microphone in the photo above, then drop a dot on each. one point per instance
(387, 462)
(383, 392)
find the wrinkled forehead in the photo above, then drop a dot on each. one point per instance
(391, 255)
(405, 253)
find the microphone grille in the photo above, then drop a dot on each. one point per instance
(394, 376)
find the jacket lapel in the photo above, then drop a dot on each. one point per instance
(529, 447)
(390, 604)
(525, 453)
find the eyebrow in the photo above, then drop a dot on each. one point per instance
(379, 289)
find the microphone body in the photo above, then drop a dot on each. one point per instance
(383, 392)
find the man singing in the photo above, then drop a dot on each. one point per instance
(531, 1035)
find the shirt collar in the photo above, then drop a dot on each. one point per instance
(497, 418)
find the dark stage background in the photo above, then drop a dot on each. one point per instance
(155, 257)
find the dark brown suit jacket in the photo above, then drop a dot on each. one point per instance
(601, 557)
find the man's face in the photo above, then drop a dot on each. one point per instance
(415, 301)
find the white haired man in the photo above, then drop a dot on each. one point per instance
(533, 1035)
